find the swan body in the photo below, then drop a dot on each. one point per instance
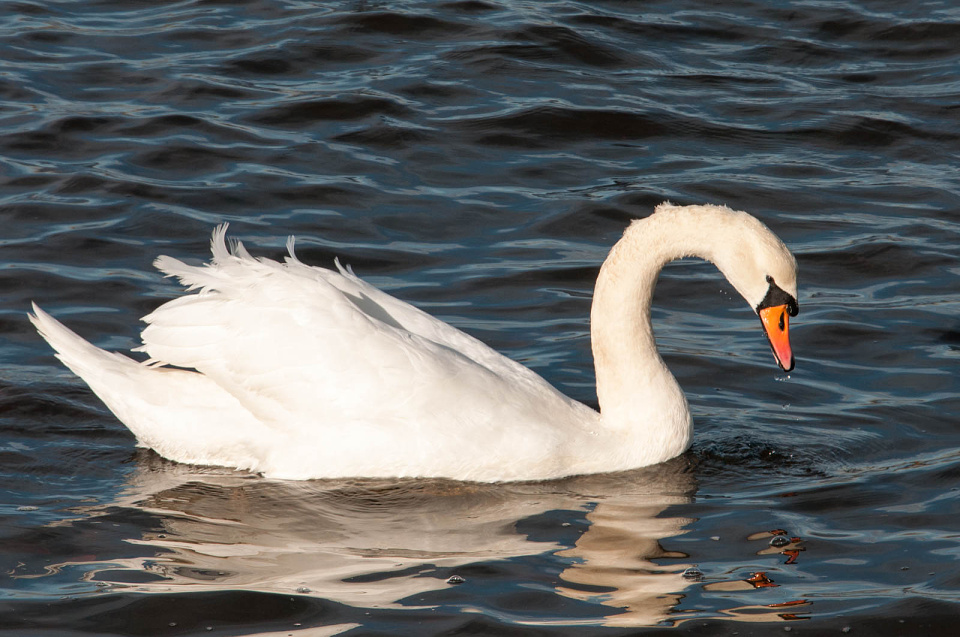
(301, 372)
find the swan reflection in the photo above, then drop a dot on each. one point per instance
(580, 551)
(376, 544)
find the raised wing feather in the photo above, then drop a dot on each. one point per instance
(378, 304)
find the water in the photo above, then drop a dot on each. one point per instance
(478, 159)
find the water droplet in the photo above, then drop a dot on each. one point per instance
(302, 590)
(845, 629)
(779, 540)
(27, 507)
(693, 573)
(715, 538)
(455, 579)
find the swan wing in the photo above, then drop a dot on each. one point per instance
(312, 352)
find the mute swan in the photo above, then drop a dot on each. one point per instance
(301, 372)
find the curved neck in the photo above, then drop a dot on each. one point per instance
(639, 397)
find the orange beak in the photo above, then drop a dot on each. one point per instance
(776, 324)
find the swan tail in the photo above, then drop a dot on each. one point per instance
(178, 413)
(113, 377)
(86, 360)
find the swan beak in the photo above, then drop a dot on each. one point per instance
(776, 324)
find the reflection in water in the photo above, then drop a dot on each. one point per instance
(400, 544)
(374, 544)
(616, 553)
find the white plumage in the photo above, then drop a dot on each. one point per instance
(302, 372)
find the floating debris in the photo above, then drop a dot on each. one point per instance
(795, 602)
(760, 580)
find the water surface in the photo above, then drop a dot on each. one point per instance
(479, 159)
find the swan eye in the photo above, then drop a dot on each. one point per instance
(776, 296)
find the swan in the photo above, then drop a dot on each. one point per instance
(300, 372)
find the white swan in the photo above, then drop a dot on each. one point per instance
(302, 372)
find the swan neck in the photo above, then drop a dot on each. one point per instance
(635, 389)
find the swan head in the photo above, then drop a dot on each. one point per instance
(751, 257)
(763, 271)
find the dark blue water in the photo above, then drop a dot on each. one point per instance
(478, 159)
